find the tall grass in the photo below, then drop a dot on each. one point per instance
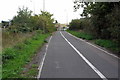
(14, 58)
(10, 39)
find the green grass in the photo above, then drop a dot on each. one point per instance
(81, 35)
(108, 44)
(32, 72)
(16, 57)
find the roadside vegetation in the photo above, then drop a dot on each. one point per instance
(81, 34)
(11, 39)
(22, 39)
(109, 44)
(16, 57)
(99, 23)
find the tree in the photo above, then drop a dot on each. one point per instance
(46, 18)
(75, 24)
(22, 20)
(25, 22)
(99, 15)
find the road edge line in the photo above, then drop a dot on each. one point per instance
(94, 46)
(85, 59)
(43, 59)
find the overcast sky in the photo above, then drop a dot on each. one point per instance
(62, 9)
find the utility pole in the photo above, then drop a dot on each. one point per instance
(67, 18)
(44, 11)
(43, 5)
(33, 6)
(66, 12)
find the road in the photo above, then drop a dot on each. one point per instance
(68, 57)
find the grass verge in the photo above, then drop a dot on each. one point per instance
(16, 57)
(82, 35)
(109, 44)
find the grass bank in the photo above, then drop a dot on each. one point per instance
(109, 44)
(14, 58)
(82, 35)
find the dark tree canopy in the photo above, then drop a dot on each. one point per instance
(103, 18)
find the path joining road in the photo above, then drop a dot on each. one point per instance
(68, 57)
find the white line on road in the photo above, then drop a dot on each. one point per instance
(88, 62)
(42, 62)
(94, 46)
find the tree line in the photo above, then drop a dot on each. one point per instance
(24, 22)
(100, 19)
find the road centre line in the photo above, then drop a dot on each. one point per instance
(88, 62)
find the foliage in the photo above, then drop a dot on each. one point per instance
(82, 35)
(112, 45)
(114, 24)
(22, 20)
(47, 21)
(108, 44)
(103, 18)
(23, 38)
(25, 22)
(75, 24)
(16, 57)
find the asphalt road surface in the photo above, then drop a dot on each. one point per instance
(68, 57)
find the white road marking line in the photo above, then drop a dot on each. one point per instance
(95, 46)
(88, 62)
(42, 62)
